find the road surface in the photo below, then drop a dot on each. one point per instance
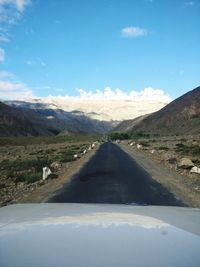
(112, 176)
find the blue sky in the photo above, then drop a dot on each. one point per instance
(55, 47)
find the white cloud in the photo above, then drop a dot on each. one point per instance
(109, 104)
(42, 63)
(106, 104)
(17, 4)
(2, 55)
(15, 91)
(36, 62)
(30, 62)
(6, 74)
(189, 3)
(132, 32)
(4, 38)
(11, 12)
(108, 93)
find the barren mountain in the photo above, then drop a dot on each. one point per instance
(127, 125)
(47, 120)
(181, 116)
(22, 122)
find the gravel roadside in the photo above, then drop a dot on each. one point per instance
(178, 184)
(43, 193)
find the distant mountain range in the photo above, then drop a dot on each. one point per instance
(181, 116)
(48, 116)
(19, 118)
(40, 117)
(102, 109)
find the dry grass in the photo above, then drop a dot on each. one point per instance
(21, 164)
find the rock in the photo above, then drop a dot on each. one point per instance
(185, 163)
(195, 170)
(172, 160)
(46, 173)
(41, 183)
(84, 152)
(56, 165)
(167, 156)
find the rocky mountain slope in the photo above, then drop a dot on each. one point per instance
(84, 114)
(181, 116)
(22, 122)
(127, 125)
(39, 119)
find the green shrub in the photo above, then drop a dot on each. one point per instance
(20, 165)
(53, 176)
(68, 155)
(193, 150)
(29, 177)
(144, 143)
(67, 158)
(163, 148)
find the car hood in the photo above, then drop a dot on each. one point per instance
(98, 235)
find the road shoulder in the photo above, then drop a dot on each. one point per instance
(45, 192)
(174, 182)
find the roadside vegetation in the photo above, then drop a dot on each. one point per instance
(193, 150)
(125, 136)
(22, 160)
(45, 140)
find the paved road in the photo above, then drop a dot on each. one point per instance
(112, 176)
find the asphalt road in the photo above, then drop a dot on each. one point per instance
(112, 176)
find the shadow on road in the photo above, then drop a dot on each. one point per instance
(112, 176)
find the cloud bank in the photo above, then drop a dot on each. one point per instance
(108, 93)
(107, 104)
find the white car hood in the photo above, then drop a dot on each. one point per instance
(78, 235)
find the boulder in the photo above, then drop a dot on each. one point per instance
(84, 152)
(195, 169)
(56, 165)
(185, 163)
(46, 172)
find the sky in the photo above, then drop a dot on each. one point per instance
(109, 48)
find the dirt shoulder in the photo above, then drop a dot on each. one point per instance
(46, 191)
(179, 185)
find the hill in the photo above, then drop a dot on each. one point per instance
(22, 122)
(18, 118)
(181, 116)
